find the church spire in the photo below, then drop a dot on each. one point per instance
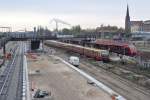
(127, 22)
(127, 11)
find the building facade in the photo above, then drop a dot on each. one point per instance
(140, 26)
(136, 26)
(146, 26)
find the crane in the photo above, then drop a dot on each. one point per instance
(59, 21)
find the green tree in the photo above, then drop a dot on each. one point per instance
(66, 31)
(76, 29)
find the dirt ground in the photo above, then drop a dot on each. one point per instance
(49, 74)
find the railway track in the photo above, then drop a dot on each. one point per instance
(11, 78)
(125, 68)
(129, 68)
(6, 77)
(124, 87)
(136, 70)
(99, 73)
(145, 74)
(20, 77)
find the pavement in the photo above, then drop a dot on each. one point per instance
(50, 74)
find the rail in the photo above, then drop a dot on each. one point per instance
(20, 77)
(6, 75)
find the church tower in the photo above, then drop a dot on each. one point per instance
(127, 22)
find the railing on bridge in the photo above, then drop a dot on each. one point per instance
(23, 36)
(17, 36)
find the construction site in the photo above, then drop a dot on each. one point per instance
(49, 73)
(74, 50)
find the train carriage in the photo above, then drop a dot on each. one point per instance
(117, 47)
(96, 54)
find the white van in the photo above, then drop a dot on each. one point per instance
(74, 61)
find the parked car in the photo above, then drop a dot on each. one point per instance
(74, 61)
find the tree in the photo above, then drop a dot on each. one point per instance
(76, 29)
(66, 31)
(109, 28)
(121, 30)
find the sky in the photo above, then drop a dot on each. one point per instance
(21, 14)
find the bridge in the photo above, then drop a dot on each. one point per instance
(23, 36)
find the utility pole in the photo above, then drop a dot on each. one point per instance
(56, 26)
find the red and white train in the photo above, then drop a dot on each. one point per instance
(117, 47)
(97, 54)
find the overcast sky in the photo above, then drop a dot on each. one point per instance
(88, 13)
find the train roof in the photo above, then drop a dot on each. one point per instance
(94, 49)
(66, 44)
(85, 47)
(111, 42)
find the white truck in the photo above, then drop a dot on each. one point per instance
(74, 61)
